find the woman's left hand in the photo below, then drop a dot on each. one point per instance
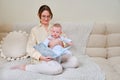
(45, 58)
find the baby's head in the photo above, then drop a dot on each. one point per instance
(56, 30)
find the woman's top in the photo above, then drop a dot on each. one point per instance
(38, 34)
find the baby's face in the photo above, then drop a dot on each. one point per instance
(56, 32)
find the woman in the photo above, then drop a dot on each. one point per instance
(38, 34)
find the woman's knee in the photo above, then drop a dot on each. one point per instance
(74, 61)
(55, 67)
(57, 70)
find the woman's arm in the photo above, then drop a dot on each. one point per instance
(30, 50)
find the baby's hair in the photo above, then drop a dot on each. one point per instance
(57, 25)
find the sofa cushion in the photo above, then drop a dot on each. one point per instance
(113, 28)
(99, 28)
(115, 62)
(96, 52)
(14, 45)
(96, 46)
(97, 40)
(113, 51)
(113, 40)
(107, 68)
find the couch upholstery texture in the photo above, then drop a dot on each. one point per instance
(103, 47)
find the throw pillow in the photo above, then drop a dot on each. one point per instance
(13, 46)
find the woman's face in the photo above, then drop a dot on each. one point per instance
(45, 18)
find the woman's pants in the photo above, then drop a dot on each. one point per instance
(53, 67)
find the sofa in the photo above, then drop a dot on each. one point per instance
(101, 56)
(104, 48)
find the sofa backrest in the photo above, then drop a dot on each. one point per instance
(113, 40)
(4, 29)
(78, 32)
(104, 41)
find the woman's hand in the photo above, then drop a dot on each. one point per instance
(45, 58)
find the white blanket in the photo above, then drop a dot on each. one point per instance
(88, 70)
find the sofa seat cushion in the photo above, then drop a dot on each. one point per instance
(115, 62)
(107, 68)
(103, 63)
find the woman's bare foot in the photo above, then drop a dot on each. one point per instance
(21, 67)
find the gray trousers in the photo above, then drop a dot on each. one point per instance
(53, 67)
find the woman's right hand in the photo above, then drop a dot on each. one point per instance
(45, 58)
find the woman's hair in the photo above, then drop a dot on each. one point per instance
(43, 8)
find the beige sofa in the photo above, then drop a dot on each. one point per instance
(103, 47)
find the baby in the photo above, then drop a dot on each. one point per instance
(57, 50)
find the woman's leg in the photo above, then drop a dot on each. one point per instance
(69, 61)
(51, 67)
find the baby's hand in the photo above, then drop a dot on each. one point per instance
(54, 42)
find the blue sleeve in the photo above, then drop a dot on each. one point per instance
(65, 39)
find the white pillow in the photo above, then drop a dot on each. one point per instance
(13, 45)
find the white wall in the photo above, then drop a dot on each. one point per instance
(25, 11)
